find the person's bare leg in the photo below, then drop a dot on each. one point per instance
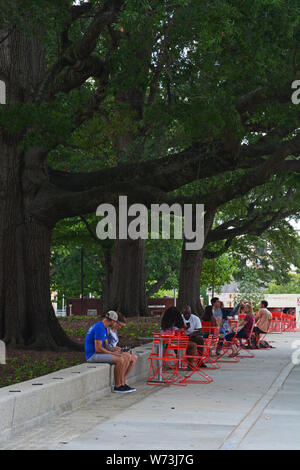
(132, 361)
(192, 351)
(118, 371)
(126, 363)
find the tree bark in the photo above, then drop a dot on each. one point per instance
(191, 268)
(189, 281)
(27, 318)
(128, 286)
(106, 261)
(128, 281)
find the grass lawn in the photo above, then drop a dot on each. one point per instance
(26, 364)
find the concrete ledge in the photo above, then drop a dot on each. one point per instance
(33, 402)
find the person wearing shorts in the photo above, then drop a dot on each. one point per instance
(96, 352)
(112, 342)
(262, 321)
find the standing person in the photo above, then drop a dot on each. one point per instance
(193, 328)
(96, 352)
(262, 321)
(113, 339)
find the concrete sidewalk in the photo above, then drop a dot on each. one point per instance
(254, 404)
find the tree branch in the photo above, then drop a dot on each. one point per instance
(249, 103)
(77, 55)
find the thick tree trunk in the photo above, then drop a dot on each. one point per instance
(189, 281)
(128, 286)
(27, 318)
(128, 281)
(191, 264)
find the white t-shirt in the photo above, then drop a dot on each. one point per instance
(113, 338)
(195, 323)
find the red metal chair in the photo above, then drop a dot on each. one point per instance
(288, 322)
(261, 337)
(276, 323)
(226, 351)
(245, 345)
(296, 327)
(208, 327)
(168, 348)
(210, 360)
(193, 363)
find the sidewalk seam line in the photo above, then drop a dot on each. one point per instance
(248, 414)
(275, 393)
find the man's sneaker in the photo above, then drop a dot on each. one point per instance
(121, 389)
(130, 389)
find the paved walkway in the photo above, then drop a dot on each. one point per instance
(254, 404)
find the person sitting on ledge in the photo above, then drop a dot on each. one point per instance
(96, 352)
(112, 342)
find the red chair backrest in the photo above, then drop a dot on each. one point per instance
(207, 345)
(208, 326)
(179, 343)
(169, 338)
(276, 315)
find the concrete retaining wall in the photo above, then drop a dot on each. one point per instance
(29, 403)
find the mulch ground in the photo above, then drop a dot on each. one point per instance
(25, 364)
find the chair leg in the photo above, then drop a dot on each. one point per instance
(205, 378)
(226, 349)
(243, 347)
(195, 368)
(157, 376)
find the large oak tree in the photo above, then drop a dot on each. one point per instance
(193, 80)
